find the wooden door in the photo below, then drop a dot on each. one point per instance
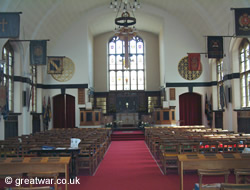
(63, 111)
(70, 111)
(190, 109)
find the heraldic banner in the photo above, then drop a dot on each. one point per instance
(215, 47)
(194, 62)
(9, 25)
(242, 22)
(2, 96)
(38, 52)
(55, 65)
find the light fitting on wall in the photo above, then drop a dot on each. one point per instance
(125, 23)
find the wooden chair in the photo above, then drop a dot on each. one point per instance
(208, 147)
(228, 186)
(169, 156)
(231, 147)
(86, 158)
(2, 151)
(203, 172)
(12, 150)
(189, 147)
(242, 175)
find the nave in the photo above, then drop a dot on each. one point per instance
(130, 165)
(125, 163)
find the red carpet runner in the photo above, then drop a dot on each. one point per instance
(128, 165)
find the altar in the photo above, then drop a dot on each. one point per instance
(127, 118)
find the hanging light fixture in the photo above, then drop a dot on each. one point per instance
(125, 23)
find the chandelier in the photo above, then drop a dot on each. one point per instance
(125, 23)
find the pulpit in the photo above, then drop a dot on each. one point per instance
(164, 116)
(90, 117)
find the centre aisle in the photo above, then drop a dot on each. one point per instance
(128, 165)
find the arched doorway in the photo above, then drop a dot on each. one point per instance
(63, 111)
(190, 109)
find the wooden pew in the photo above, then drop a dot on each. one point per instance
(228, 186)
(37, 164)
(211, 161)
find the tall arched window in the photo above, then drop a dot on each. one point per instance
(245, 73)
(8, 73)
(130, 76)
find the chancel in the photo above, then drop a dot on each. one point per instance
(149, 90)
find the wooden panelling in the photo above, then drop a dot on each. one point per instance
(172, 93)
(243, 121)
(81, 95)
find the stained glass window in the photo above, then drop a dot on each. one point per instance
(8, 73)
(130, 76)
(245, 72)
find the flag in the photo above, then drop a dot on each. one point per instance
(206, 105)
(208, 110)
(48, 110)
(38, 52)
(6, 109)
(215, 47)
(194, 63)
(242, 21)
(9, 25)
(222, 103)
(55, 65)
(44, 112)
(2, 96)
(29, 93)
(210, 106)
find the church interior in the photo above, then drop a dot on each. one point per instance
(125, 94)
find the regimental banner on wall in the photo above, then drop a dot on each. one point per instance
(194, 62)
(215, 47)
(9, 25)
(55, 65)
(222, 95)
(2, 96)
(242, 22)
(38, 52)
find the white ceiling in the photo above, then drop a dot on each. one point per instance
(45, 19)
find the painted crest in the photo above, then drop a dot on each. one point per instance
(244, 22)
